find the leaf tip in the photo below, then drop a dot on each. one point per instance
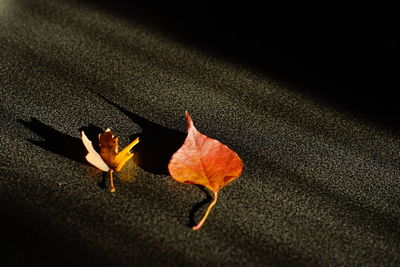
(189, 119)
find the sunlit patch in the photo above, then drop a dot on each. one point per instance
(5, 5)
(128, 173)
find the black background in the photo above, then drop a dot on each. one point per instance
(346, 54)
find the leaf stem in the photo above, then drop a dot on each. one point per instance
(112, 187)
(198, 226)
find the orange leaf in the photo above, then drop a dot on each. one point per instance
(204, 161)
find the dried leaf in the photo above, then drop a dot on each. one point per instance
(109, 158)
(204, 161)
(93, 157)
(108, 147)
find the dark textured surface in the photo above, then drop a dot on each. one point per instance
(321, 178)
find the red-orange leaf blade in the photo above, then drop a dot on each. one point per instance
(205, 161)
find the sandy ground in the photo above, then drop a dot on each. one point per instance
(320, 185)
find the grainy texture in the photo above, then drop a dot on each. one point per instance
(320, 186)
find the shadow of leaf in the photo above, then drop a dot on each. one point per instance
(60, 143)
(157, 143)
(63, 144)
(198, 206)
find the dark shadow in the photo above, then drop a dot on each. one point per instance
(60, 143)
(157, 143)
(63, 144)
(29, 240)
(346, 55)
(198, 206)
(102, 182)
(30, 237)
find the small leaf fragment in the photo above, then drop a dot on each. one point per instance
(109, 158)
(108, 147)
(124, 155)
(204, 161)
(93, 157)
